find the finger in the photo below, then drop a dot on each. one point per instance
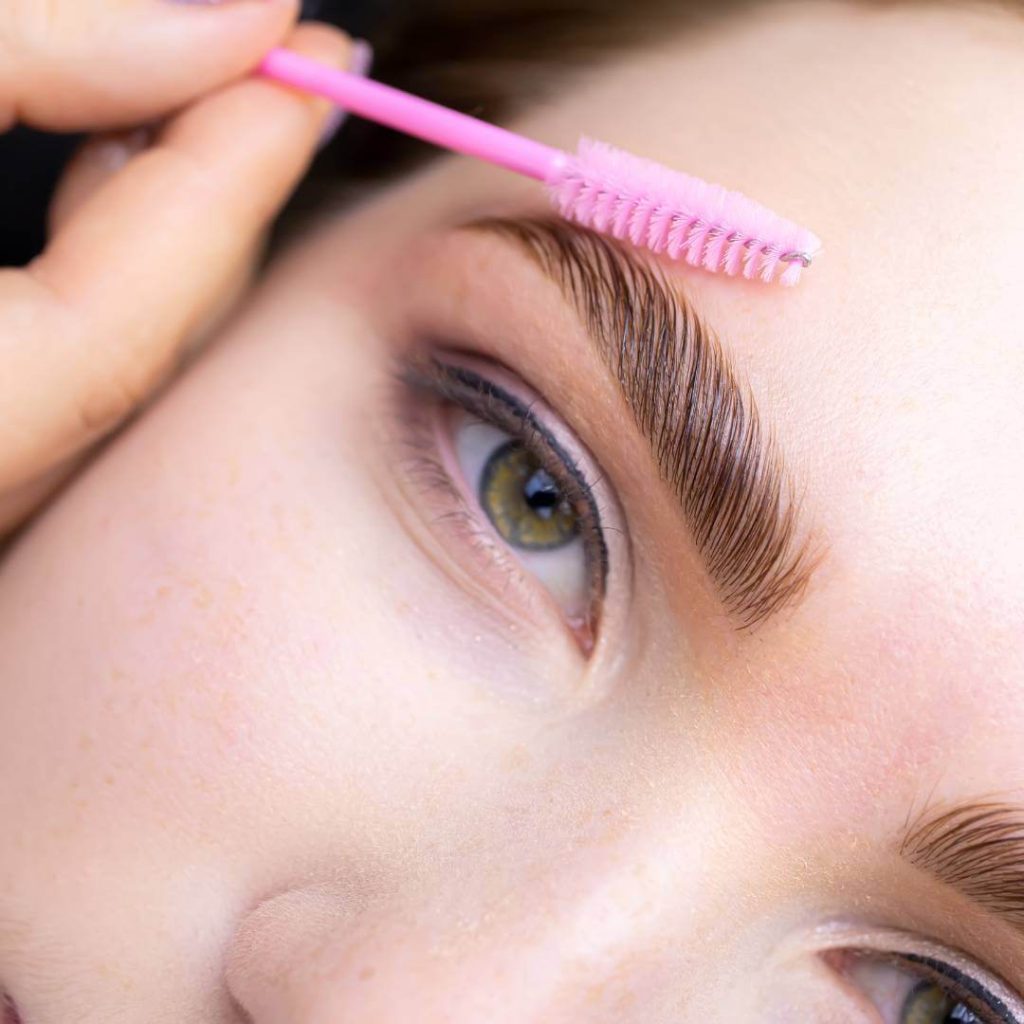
(97, 161)
(87, 329)
(103, 155)
(74, 64)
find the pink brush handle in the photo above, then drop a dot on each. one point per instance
(414, 116)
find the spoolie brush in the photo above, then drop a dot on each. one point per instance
(598, 186)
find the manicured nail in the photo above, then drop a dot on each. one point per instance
(360, 64)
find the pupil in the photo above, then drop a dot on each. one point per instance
(541, 494)
(963, 1015)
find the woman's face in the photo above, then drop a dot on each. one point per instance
(432, 653)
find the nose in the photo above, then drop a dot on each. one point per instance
(303, 960)
(317, 957)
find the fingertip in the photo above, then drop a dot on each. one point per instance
(216, 42)
(149, 60)
(325, 44)
(322, 42)
(97, 161)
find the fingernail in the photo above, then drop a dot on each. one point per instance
(360, 64)
(117, 149)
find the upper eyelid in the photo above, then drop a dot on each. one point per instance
(969, 982)
(959, 987)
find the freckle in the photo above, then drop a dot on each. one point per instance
(163, 591)
(86, 742)
(366, 973)
(108, 780)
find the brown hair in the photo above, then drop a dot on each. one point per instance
(488, 58)
(491, 58)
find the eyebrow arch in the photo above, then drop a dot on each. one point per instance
(977, 849)
(706, 435)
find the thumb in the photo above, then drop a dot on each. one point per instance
(66, 65)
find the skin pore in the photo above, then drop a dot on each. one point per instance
(291, 734)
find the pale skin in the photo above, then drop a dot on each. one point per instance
(280, 745)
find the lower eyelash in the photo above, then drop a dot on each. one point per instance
(471, 530)
(423, 464)
(432, 473)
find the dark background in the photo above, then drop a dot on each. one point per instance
(30, 162)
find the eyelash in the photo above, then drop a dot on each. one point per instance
(961, 987)
(427, 387)
(957, 985)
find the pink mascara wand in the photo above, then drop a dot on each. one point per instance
(600, 187)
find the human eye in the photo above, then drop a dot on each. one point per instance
(927, 987)
(508, 481)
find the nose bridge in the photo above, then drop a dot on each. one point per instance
(574, 943)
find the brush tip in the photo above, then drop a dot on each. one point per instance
(680, 216)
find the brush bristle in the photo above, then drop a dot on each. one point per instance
(669, 212)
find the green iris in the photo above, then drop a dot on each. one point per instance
(524, 502)
(928, 1004)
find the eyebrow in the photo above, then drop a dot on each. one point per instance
(707, 437)
(976, 849)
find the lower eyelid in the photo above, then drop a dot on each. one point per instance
(426, 386)
(477, 548)
(452, 516)
(479, 530)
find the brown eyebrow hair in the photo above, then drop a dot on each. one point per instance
(707, 437)
(977, 848)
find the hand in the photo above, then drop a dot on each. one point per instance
(150, 229)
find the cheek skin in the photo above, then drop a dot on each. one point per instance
(209, 671)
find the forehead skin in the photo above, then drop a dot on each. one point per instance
(207, 581)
